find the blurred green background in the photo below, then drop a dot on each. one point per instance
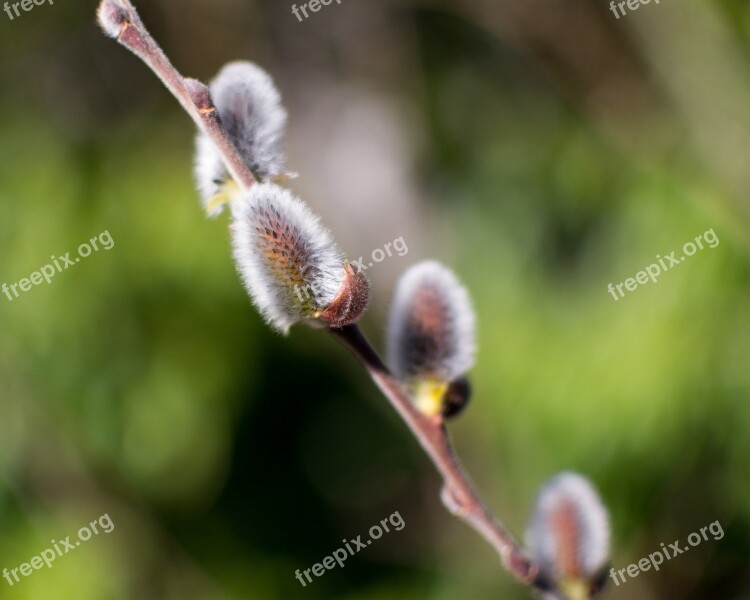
(543, 149)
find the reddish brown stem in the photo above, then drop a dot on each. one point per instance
(458, 492)
(191, 94)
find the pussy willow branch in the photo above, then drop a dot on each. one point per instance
(458, 495)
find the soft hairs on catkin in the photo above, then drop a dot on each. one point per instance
(431, 329)
(288, 261)
(569, 532)
(251, 113)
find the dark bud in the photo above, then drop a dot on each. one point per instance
(456, 398)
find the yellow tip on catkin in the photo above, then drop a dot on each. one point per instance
(575, 589)
(229, 192)
(429, 395)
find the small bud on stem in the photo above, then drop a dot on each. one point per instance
(457, 397)
(115, 16)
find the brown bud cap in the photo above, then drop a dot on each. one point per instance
(350, 302)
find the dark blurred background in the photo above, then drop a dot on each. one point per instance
(541, 148)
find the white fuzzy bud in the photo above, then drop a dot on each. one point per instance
(431, 329)
(432, 338)
(290, 264)
(251, 113)
(569, 535)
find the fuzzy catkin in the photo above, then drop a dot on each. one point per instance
(288, 261)
(431, 329)
(254, 119)
(569, 532)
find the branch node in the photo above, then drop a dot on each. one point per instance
(451, 503)
(200, 96)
